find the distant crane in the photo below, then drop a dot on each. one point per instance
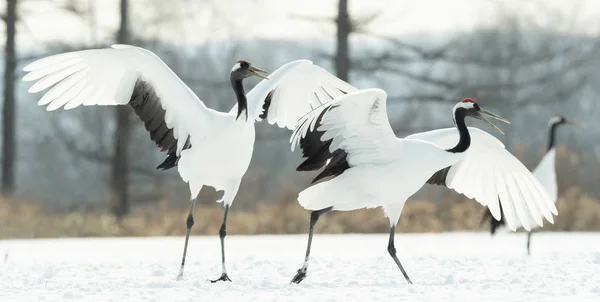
(210, 148)
(370, 167)
(544, 172)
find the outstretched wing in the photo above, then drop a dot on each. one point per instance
(348, 131)
(122, 75)
(292, 91)
(494, 177)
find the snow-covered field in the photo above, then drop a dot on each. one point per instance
(444, 267)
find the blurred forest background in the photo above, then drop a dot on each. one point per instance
(90, 171)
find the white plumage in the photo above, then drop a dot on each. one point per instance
(212, 148)
(489, 173)
(546, 174)
(371, 167)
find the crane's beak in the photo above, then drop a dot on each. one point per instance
(575, 124)
(495, 116)
(258, 72)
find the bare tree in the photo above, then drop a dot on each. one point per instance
(342, 53)
(120, 165)
(8, 112)
(345, 27)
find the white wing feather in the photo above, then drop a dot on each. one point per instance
(107, 77)
(299, 87)
(357, 123)
(489, 172)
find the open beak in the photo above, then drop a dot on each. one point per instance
(483, 118)
(575, 124)
(258, 72)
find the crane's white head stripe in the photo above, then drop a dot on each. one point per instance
(236, 67)
(465, 104)
(555, 120)
(240, 64)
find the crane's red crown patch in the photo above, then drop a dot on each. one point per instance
(468, 100)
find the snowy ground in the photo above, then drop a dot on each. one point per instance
(444, 267)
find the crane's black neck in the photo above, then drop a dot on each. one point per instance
(464, 140)
(238, 88)
(552, 135)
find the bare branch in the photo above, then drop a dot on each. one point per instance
(312, 18)
(359, 24)
(98, 155)
(443, 53)
(379, 66)
(72, 7)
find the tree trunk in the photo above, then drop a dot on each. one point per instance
(120, 166)
(344, 28)
(8, 111)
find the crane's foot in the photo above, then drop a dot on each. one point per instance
(180, 275)
(299, 276)
(223, 277)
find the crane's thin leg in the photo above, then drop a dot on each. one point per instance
(222, 233)
(392, 250)
(529, 242)
(314, 216)
(189, 224)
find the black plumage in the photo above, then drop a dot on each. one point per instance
(266, 105)
(317, 152)
(335, 167)
(147, 107)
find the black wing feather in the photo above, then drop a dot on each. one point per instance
(317, 152)
(266, 105)
(147, 107)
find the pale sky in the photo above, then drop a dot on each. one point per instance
(193, 21)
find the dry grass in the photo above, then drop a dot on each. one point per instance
(578, 212)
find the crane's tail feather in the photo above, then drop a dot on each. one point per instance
(337, 193)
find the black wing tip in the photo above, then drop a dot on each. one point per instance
(172, 158)
(335, 167)
(267, 105)
(309, 165)
(169, 162)
(317, 152)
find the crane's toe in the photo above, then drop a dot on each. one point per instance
(223, 277)
(299, 276)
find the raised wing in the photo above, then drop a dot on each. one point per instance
(292, 91)
(348, 131)
(489, 173)
(122, 75)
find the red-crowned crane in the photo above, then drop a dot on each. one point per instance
(209, 148)
(368, 166)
